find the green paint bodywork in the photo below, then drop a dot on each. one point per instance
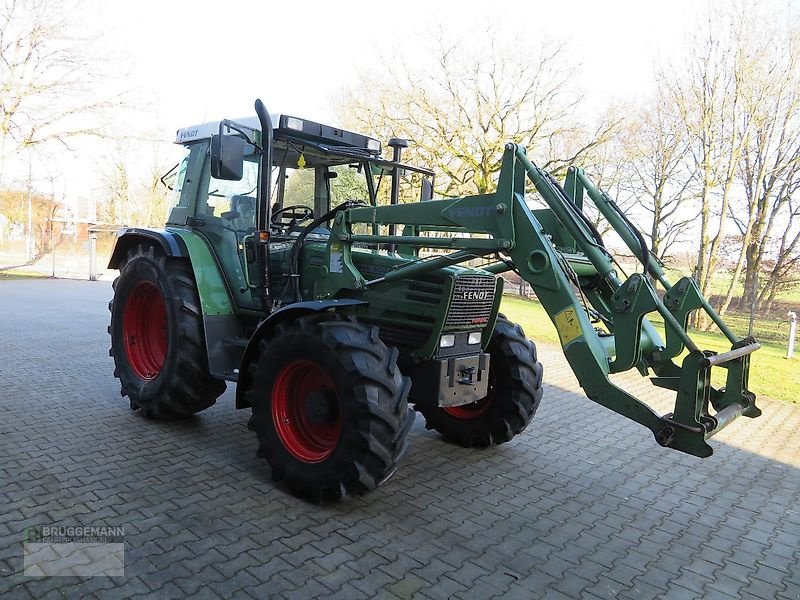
(215, 297)
(410, 310)
(556, 252)
(408, 294)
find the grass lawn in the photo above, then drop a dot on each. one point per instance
(13, 274)
(771, 373)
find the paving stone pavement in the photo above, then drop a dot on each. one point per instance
(583, 504)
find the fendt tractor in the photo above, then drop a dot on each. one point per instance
(289, 265)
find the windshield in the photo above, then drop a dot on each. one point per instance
(349, 183)
(312, 187)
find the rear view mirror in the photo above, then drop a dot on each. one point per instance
(227, 157)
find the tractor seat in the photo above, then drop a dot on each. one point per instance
(243, 212)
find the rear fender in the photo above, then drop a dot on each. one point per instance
(215, 297)
(130, 237)
(220, 321)
(267, 326)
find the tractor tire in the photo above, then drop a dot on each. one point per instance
(515, 392)
(329, 406)
(157, 339)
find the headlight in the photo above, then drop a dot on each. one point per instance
(474, 338)
(294, 123)
(374, 145)
(448, 340)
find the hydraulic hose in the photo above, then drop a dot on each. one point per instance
(294, 256)
(645, 257)
(575, 210)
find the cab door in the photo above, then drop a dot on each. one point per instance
(225, 214)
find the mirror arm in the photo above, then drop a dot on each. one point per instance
(232, 127)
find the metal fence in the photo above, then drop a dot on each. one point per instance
(83, 257)
(778, 327)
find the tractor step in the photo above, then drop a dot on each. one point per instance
(236, 342)
(236, 346)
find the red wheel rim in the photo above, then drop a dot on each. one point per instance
(305, 409)
(144, 329)
(469, 411)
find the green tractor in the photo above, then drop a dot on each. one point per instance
(289, 265)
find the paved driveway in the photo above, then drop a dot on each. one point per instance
(583, 504)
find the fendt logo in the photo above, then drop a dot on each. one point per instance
(188, 134)
(460, 212)
(473, 295)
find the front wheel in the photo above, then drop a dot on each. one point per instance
(515, 391)
(329, 406)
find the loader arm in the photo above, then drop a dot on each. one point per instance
(561, 256)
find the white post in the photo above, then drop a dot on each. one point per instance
(92, 256)
(53, 244)
(29, 242)
(792, 333)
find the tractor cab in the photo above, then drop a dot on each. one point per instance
(314, 168)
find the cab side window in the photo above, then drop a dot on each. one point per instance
(232, 201)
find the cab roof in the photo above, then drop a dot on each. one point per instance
(287, 126)
(204, 131)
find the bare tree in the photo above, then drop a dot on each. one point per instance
(770, 169)
(49, 77)
(708, 89)
(738, 95)
(132, 196)
(656, 173)
(115, 206)
(604, 163)
(785, 269)
(474, 99)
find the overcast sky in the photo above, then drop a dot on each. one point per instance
(196, 61)
(203, 59)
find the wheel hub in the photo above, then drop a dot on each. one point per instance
(322, 407)
(306, 411)
(144, 330)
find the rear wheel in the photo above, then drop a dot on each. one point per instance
(157, 339)
(329, 406)
(515, 391)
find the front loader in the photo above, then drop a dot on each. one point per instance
(333, 311)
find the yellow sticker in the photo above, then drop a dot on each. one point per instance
(568, 326)
(301, 162)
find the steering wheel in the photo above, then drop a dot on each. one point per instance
(296, 213)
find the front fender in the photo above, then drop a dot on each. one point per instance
(266, 327)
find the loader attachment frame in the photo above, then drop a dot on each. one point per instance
(574, 277)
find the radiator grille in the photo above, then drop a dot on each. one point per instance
(473, 298)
